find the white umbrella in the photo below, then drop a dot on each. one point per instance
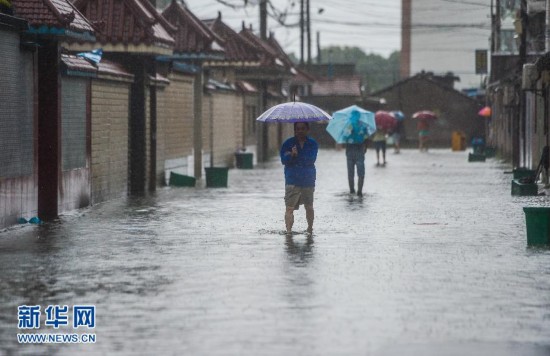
(294, 112)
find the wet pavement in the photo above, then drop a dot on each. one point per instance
(432, 261)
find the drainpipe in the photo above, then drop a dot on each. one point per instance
(547, 29)
(211, 124)
(264, 134)
(546, 106)
(197, 123)
(518, 154)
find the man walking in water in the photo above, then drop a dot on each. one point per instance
(298, 155)
(355, 157)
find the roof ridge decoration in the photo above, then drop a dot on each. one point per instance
(192, 36)
(158, 18)
(54, 17)
(128, 26)
(237, 48)
(64, 18)
(270, 55)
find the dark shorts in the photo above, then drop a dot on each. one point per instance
(296, 196)
(380, 145)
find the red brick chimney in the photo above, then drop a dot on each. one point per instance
(405, 70)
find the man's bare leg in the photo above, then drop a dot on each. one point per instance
(289, 219)
(310, 215)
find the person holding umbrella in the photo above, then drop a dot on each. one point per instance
(424, 118)
(355, 154)
(351, 126)
(397, 131)
(298, 155)
(384, 122)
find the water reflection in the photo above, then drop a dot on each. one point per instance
(300, 253)
(421, 258)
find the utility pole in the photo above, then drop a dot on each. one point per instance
(301, 32)
(263, 143)
(263, 19)
(547, 27)
(518, 152)
(497, 26)
(318, 47)
(308, 34)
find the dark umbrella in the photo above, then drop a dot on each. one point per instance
(384, 120)
(424, 115)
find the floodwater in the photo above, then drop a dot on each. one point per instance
(432, 261)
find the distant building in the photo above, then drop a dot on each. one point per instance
(455, 110)
(336, 86)
(442, 37)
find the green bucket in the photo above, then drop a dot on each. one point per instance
(490, 152)
(244, 160)
(476, 157)
(523, 172)
(538, 225)
(181, 180)
(524, 189)
(216, 177)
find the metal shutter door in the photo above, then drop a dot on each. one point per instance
(16, 108)
(73, 122)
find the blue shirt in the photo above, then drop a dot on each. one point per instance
(300, 170)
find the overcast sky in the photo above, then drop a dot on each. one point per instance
(372, 25)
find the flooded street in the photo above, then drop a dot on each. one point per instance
(432, 261)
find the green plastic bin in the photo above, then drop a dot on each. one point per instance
(216, 177)
(474, 157)
(524, 189)
(538, 225)
(244, 160)
(490, 152)
(522, 172)
(181, 180)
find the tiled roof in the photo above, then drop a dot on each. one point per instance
(257, 42)
(78, 64)
(113, 69)
(301, 77)
(246, 87)
(279, 50)
(159, 80)
(337, 86)
(270, 55)
(123, 22)
(192, 35)
(52, 13)
(236, 47)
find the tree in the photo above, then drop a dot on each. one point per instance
(377, 72)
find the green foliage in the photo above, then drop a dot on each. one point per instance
(377, 72)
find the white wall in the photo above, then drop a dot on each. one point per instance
(441, 49)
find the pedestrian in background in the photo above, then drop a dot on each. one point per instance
(379, 141)
(397, 131)
(423, 127)
(355, 157)
(298, 155)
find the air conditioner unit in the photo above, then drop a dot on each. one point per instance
(529, 76)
